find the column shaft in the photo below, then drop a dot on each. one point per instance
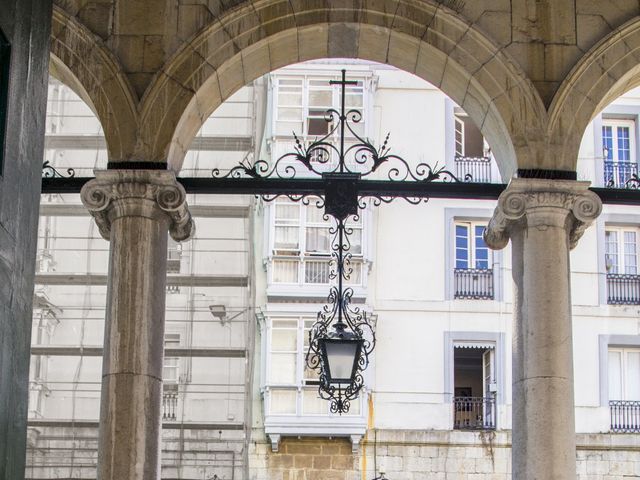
(131, 402)
(134, 210)
(543, 402)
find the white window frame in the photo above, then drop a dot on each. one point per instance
(624, 352)
(471, 244)
(458, 130)
(307, 87)
(298, 423)
(614, 153)
(607, 343)
(619, 265)
(171, 339)
(480, 216)
(302, 256)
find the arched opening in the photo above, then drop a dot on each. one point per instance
(490, 88)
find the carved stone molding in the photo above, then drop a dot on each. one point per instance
(550, 202)
(147, 193)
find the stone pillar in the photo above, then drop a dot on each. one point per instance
(134, 210)
(544, 219)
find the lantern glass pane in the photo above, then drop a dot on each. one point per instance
(340, 359)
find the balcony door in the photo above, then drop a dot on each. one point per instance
(624, 374)
(618, 152)
(473, 274)
(489, 386)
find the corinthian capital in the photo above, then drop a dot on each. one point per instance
(540, 203)
(147, 193)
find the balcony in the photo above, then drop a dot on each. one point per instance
(474, 413)
(310, 270)
(625, 416)
(620, 174)
(473, 169)
(623, 289)
(473, 283)
(169, 406)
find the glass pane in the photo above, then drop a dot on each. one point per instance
(632, 376)
(287, 128)
(317, 127)
(287, 212)
(356, 242)
(462, 246)
(354, 100)
(286, 238)
(290, 98)
(284, 323)
(624, 152)
(312, 404)
(355, 277)
(285, 271)
(611, 249)
(317, 240)
(283, 368)
(320, 98)
(615, 376)
(284, 340)
(316, 271)
(316, 215)
(630, 256)
(283, 402)
(607, 142)
(285, 113)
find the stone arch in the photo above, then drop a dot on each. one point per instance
(420, 37)
(608, 70)
(81, 61)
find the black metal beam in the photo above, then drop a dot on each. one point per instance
(315, 186)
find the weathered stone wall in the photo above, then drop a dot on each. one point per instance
(25, 23)
(435, 455)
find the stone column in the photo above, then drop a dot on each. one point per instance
(134, 210)
(544, 220)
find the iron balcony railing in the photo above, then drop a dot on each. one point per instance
(169, 405)
(623, 289)
(618, 174)
(473, 169)
(625, 416)
(473, 283)
(474, 413)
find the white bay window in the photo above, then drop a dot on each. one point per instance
(301, 246)
(292, 404)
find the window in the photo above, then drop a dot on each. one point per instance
(624, 389)
(472, 158)
(171, 369)
(292, 387)
(174, 254)
(621, 251)
(4, 91)
(473, 274)
(475, 386)
(621, 261)
(301, 248)
(618, 151)
(302, 103)
(624, 374)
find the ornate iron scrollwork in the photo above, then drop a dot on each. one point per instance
(49, 171)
